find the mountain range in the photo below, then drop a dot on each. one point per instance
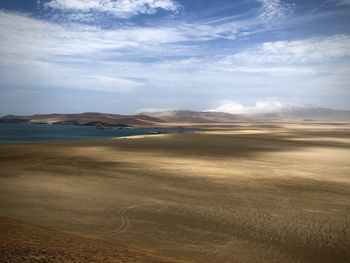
(290, 114)
(88, 118)
(149, 119)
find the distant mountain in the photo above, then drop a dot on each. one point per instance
(290, 114)
(89, 118)
(150, 119)
(316, 114)
(192, 116)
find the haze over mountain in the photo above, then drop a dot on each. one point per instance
(159, 118)
(292, 114)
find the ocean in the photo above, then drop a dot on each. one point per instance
(21, 133)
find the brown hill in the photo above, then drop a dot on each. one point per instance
(194, 116)
(89, 118)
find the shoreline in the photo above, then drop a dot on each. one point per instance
(19, 133)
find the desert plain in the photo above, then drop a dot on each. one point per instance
(226, 193)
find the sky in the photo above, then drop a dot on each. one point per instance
(129, 56)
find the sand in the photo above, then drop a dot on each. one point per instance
(251, 193)
(26, 243)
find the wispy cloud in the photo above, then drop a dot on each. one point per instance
(275, 9)
(68, 55)
(206, 58)
(307, 57)
(106, 83)
(342, 2)
(297, 51)
(43, 38)
(117, 8)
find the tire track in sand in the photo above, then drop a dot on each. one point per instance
(124, 219)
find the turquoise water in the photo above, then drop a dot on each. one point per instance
(14, 133)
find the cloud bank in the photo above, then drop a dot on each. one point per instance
(260, 107)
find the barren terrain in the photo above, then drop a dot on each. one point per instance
(244, 193)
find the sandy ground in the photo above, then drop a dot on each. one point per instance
(266, 193)
(27, 243)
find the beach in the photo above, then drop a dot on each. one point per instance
(239, 193)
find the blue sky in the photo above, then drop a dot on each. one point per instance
(127, 56)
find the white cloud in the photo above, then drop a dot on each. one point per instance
(168, 60)
(259, 107)
(43, 39)
(298, 58)
(84, 46)
(66, 55)
(296, 51)
(268, 70)
(275, 9)
(313, 57)
(342, 2)
(117, 8)
(107, 83)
